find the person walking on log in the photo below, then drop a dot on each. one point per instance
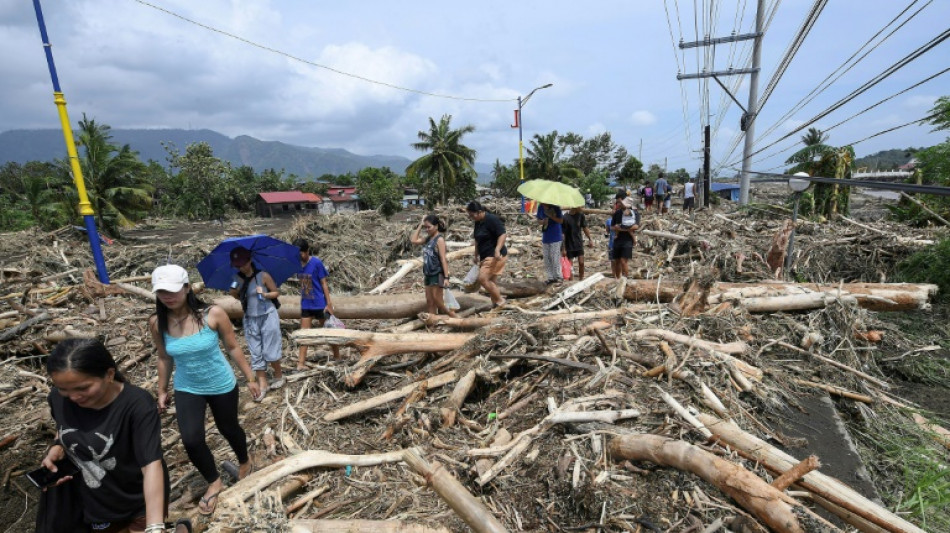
(259, 295)
(435, 266)
(490, 251)
(625, 222)
(109, 433)
(187, 332)
(574, 223)
(550, 218)
(315, 301)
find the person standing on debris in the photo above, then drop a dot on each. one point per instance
(435, 266)
(663, 194)
(186, 332)
(550, 219)
(689, 196)
(574, 222)
(490, 251)
(612, 235)
(314, 297)
(258, 293)
(647, 195)
(123, 487)
(625, 222)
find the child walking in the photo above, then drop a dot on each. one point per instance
(314, 297)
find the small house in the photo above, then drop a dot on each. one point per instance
(340, 199)
(287, 203)
(729, 191)
(412, 198)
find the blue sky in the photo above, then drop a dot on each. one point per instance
(613, 65)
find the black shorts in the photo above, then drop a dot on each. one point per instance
(319, 314)
(572, 254)
(688, 203)
(624, 251)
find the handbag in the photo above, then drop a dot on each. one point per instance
(565, 267)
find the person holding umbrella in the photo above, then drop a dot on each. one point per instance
(550, 218)
(258, 293)
(187, 333)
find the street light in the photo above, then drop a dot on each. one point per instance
(521, 103)
(798, 186)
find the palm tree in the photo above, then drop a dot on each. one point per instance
(115, 178)
(546, 160)
(447, 157)
(820, 159)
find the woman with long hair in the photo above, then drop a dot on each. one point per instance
(491, 254)
(187, 332)
(435, 266)
(109, 431)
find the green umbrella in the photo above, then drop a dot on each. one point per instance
(552, 192)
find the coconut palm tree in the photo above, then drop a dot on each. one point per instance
(447, 159)
(115, 178)
(820, 159)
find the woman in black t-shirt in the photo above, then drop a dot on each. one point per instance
(111, 431)
(625, 222)
(490, 251)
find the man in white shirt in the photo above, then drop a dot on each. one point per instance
(689, 196)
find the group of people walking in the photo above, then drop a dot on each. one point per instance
(110, 429)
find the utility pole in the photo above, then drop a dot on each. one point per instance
(746, 124)
(706, 181)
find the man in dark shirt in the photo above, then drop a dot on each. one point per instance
(574, 223)
(491, 254)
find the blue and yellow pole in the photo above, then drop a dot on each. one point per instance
(520, 151)
(85, 208)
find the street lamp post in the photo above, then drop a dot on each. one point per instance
(798, 186)
(521, 103)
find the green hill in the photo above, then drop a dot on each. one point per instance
(886, 159)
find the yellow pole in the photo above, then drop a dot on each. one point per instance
(85, 208)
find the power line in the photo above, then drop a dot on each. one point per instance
(790, 52)
(867, 85)
(318, 65)
(828, 81)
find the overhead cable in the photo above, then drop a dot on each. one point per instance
(318, 65)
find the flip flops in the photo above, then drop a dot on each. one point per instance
(183, 522)
(209, 502)
(234, 471)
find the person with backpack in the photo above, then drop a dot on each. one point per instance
(435, 266)
(647, 195)
(187, 333)
(315, 301)
(259, 295)
(664, 194)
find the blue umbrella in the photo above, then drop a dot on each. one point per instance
(274, 256)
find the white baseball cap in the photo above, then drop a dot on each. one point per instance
(169, 278)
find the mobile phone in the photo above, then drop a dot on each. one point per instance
(234, 284)
(43, 477)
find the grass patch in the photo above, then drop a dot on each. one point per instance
(908, 468)
(930, 265)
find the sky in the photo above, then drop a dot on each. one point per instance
(368, 75)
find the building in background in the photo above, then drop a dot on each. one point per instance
(287, 203)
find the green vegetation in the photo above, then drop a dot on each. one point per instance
(885, 159)
(448, 161)
(379, 189)
(820, 159)
(930, 265)
(933, 168)
(899, 449)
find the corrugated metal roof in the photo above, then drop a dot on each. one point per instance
(283, 197)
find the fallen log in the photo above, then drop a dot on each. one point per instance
(520, 288)
(384, 306)
(767, 503)
(412, 264)
(376, 401)
(827, 487)
(360, 526)
(465, 324)
(469, 509)
(15, 331)
(374, 346)
(455, 400)
(874, 296)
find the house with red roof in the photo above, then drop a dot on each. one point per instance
(287, 203)
(340, 199)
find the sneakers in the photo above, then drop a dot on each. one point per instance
(277, 383)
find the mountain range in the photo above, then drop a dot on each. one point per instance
(21, 146)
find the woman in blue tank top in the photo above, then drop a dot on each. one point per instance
(187, 333)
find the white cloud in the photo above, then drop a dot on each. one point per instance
(643, 118)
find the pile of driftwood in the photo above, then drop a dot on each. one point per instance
(602, 404)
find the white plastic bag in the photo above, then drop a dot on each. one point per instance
(472, 277)
(333, 322)
(450, 301)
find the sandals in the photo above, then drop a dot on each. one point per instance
(183, 522)
(207, 502)
(234, 471)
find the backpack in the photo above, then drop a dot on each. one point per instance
(242, 292)
(648, 192)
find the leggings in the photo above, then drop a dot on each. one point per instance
(190, 410)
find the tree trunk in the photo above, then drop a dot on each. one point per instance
(383, 306)
(767, 503)
(827, 487)
(361, 526)
(374, 346)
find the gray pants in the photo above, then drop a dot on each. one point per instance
(263, 339)
(552, 260)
